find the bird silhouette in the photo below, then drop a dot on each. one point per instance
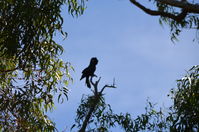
(89, 71)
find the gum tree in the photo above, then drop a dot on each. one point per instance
(31, 72)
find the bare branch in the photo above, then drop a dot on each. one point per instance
(107, 86)
(91, 80)
(98, 80)
(95, 85)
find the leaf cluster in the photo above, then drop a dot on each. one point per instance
(93, 114)
(183, 115)
(186, 102)
(184, 20)
(31, 71)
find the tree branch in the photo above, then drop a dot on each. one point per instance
(10, 70)
(191, 8)
(177, 18)
(90, 112)
(93, 106)
(186, 8)
(95, 85)
(107, 86)
(97, 96)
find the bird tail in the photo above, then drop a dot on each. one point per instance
(81, 77)
(88, 82)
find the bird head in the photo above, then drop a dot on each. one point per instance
(94, 61)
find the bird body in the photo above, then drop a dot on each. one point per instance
(89, 71)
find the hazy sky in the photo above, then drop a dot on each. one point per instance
(131, 47)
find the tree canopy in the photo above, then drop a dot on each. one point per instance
(30, 69)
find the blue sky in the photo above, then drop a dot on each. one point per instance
(131, 47)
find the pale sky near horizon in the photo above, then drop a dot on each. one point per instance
(131, 47)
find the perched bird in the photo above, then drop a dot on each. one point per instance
(89, 71)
